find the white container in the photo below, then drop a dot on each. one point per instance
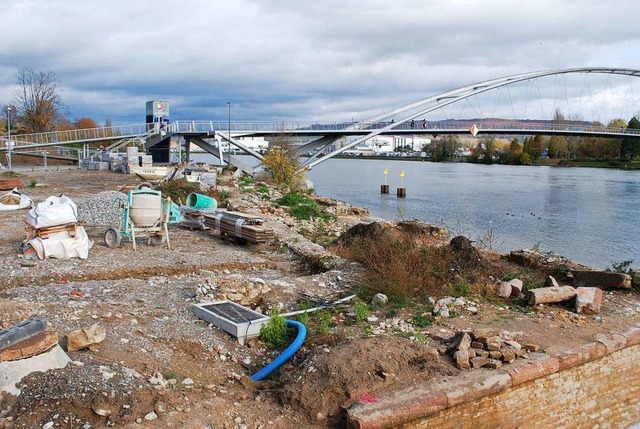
(146, 209)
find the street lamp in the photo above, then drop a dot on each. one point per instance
(9, 145)
(229, 131)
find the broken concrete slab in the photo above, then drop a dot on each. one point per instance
(85, 337)
(588, 300)
(32, 346)
(601, 279)
(21, 331)
(13, 371)
(548, 295)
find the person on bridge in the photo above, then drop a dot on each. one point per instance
(424, 124)
(412, 124)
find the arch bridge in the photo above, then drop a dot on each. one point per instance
(398, 121)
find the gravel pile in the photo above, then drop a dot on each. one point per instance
(102, 209)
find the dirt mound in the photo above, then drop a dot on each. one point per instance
(360, 231)
(84, 393)
(359, 369)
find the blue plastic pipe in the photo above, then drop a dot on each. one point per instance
(286, 354)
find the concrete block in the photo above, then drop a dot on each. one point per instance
(12, 372)
(601, 279)
(516, 287)
(588, 300)
(504, 290)
(21, 331)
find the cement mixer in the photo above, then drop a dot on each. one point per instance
(145, 215)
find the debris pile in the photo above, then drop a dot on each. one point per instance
(238, 225)
(27, 347)
(477, 350)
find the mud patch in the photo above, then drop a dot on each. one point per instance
(328, 382)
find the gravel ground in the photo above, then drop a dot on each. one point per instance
(160, 366)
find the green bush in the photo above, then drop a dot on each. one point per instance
(275, 332)
(300, 206)
(361, 309)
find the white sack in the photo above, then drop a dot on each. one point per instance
(62, 245)
(25, 202)
(52, 212)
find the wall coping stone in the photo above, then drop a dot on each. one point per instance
(435, 395)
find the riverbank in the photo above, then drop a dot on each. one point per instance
(159, 360)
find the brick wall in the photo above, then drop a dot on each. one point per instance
(604, 393)
(596, 385)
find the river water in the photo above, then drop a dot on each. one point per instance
(589, 215)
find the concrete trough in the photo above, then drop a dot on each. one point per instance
(239, 321)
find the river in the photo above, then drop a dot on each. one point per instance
(589, 215)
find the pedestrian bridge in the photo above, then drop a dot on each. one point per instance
(410, 119)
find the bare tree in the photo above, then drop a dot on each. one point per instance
(38, 100)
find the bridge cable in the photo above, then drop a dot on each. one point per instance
(539, 99)
(513, 110)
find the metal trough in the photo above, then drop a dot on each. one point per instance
(237, 320)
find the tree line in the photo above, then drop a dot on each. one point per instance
(525, 151)
(37, 106)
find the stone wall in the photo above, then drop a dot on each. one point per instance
(596, 385)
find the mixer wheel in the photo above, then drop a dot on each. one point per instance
(112, 238)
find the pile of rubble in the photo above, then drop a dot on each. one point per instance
(586, 292)
(28, 347)
(477, 350)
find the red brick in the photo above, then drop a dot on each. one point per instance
(614, 343)
(581, 355)
(525, 372)
(588, 300)
(632, 336)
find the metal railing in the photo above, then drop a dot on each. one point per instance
(296, 127)
(83, 135)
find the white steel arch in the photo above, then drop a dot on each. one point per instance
(438, 101)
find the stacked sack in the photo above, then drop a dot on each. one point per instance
(54, 230)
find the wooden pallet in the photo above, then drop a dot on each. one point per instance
(46, 232)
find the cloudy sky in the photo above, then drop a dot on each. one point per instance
(299, 60)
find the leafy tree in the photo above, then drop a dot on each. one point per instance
(489, 150)
(537, 147)
(281, 164)
(85, 123)
(444, 148)
(525, 159)
(515, 150)
(630, 147)
(38, 101)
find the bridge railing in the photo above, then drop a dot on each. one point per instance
(89, 134)
(283, 127)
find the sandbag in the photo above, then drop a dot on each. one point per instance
(14, 200)
(52, 212)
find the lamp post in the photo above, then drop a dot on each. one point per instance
(229, 131)
(9, 145)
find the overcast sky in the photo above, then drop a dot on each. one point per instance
(284, 59)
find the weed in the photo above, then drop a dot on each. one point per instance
(561, 270)
(263, 189)
(461, 287)
(304, 319)
(422, 321)
(33, 183)
(275, 332)
(509, 276)
(361, 309)
(10, 174)
(620, 267)
(300, 206)
(178, 189)
(324, 321)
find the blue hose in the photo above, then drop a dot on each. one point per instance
(286, 354)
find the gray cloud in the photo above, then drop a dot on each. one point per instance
(281, 59)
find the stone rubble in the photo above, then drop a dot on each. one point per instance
(476, 349)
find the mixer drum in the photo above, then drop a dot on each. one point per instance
(146, 209)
